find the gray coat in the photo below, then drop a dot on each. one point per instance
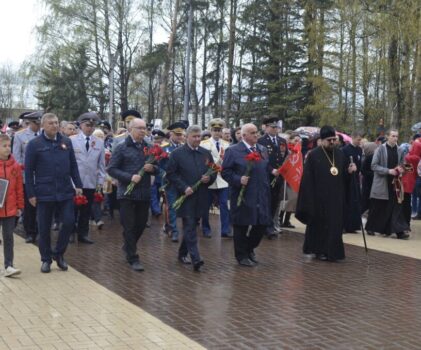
(379, 189)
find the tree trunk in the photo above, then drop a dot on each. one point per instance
(231, 47)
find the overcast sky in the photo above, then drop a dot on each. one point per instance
(17, 21)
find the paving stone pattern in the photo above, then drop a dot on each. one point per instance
(288, 302)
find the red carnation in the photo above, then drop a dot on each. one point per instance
(98, 197)
(80, 200)
(250, 158)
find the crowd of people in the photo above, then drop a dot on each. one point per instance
(64, 175)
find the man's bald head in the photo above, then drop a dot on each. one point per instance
(249, 133)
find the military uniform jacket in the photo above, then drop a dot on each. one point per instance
(185, 167)
(255, 210)
(275, 156)
(20, 142)
(91, 163)
(51, 170)
(218, 157)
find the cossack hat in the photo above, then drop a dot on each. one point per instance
(130, 114)
(327, 131)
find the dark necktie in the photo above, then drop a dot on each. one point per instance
(36, 134)
(217, 146)
(87, 144)
(253, 148)
(274, 141)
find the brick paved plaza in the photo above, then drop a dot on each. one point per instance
(287, 302)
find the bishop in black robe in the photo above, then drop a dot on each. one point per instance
(321, 200)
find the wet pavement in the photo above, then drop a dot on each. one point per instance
(288, 302)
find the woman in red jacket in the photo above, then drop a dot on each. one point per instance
(410, 177)
(12, 205)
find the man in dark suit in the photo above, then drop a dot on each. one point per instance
(272, 142)
(127, 159)
(255, 210)
(188, 165)
(50, 169)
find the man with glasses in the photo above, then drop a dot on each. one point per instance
(126, 161)
(90, 157)
(273, 143)
(321, 198)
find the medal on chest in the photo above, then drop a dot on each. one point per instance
(333, 169)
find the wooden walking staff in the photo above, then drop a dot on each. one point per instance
(361, 220)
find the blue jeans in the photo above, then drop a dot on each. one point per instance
(45, 212)
(416, 198)
(222, 195)
(96, 211)
(171, 198)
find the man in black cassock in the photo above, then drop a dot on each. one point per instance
(353, 154)
(321, 199)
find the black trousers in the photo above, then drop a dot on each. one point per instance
(189, 242)
(133, 216)
(244, 244)
(85, 213)
(29, 218)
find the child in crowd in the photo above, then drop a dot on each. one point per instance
(11, 172)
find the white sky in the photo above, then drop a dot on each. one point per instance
(17, 21)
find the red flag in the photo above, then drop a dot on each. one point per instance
(292, 168)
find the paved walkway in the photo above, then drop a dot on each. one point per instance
(287, 302)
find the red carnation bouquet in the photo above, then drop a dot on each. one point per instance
(154, 154)
(251, 159)
(212, 169)
(80, 200)
(98, 197)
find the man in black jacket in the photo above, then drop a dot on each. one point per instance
(127, 159)
(272, 142)
(188, 165)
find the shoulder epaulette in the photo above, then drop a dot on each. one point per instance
(165, 144)
(20, 131)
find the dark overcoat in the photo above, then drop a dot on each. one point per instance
(255, 210)
(185, 167)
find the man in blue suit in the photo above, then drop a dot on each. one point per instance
(253, 216)
(51, 175)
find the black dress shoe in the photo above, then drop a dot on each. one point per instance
(61, 263)
(247, 262)
(184, 260)
(137, 266)
(402, 235)
(45, 267)
(252, 257)
(371, 233)
(227, 235)
(287, 225)
(85, 240)
(271, 235)
(29, 239)
(322, 257)
(197, 265)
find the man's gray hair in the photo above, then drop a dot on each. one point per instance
(193, 129)
(48, 116)
(63, 123)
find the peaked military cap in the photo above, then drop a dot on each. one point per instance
(88, 117)
(216, 123)
(130, 114)
(13, 124)
(33, 116)
(158, 133)
(185, 122)
(105, 124)
(271, 121)
(22, 115)
(177, 127)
